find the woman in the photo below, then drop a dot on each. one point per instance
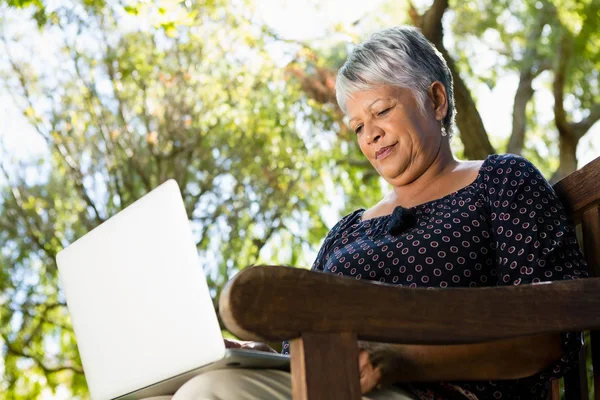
(446, 223)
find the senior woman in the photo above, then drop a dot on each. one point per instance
(445, 223)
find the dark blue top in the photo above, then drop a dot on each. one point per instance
(506, 228)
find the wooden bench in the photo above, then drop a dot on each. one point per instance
(276, 303)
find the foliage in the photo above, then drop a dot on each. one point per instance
(134, 93)
(542, 42)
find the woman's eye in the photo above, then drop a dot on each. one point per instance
(358, 129)
(380, 113)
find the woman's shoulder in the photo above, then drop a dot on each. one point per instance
(506, 164)
(383, 208)
(347, 221)
(508, 176)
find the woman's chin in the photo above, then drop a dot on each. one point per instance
(391, 169)
(391, 176)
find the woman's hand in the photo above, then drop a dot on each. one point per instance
(370, 376)
(379, 364)
(245, 345)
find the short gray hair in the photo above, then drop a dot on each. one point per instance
(399, 56)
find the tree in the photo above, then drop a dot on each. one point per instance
(124, 105)
(529, 38)
(136, 93)
(557, 37)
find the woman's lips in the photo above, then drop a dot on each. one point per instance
(385, 151)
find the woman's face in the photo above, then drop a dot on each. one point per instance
(399, 140)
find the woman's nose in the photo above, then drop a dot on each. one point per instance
(374, 133)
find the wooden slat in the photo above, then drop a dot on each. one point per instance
(595, 344)
(591, 245)
(590, 225)
(576, 387)
(276, 303)
(325, 366)
(580, 190)
(554, 389)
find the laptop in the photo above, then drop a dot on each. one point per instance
(140, 305)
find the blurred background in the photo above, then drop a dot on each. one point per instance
(102, 100)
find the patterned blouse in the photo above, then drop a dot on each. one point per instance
(506, 228)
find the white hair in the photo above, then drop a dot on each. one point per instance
(401, 57)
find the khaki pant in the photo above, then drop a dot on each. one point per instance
(254, 384)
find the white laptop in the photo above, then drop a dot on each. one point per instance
(140, 306)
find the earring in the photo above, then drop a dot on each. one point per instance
(443, 129)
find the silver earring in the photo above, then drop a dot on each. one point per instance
(443, 129)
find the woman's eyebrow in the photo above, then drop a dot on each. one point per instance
(370, 105)
(377, 101)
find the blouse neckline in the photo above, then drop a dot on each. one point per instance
(361, 211)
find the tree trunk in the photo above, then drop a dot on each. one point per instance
(472, 131)
(519, 120)
(567, 144)
(531, 66)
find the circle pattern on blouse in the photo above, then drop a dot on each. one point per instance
(505, 228)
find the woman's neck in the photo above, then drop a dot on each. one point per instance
(423, 187)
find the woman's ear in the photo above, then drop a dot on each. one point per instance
(439, 100)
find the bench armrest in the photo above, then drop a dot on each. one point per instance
(277, 303)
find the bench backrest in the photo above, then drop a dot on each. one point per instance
(580, 193)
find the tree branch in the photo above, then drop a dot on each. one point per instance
(19, 352)
(121, 114)
(98, 117)
(77, 175)
(472, 131)
(582, 127)
(531, 67)
(431, 22)
(260, 243)
(32, 230)
(42, 319)
(558, 85)
(275, 36)
(567, 138)
(523, 95)
(413, 14)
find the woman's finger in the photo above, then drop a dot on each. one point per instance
(370, 377)
(370, 380)
(258, 346)
(232, 344)
(363, 360)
